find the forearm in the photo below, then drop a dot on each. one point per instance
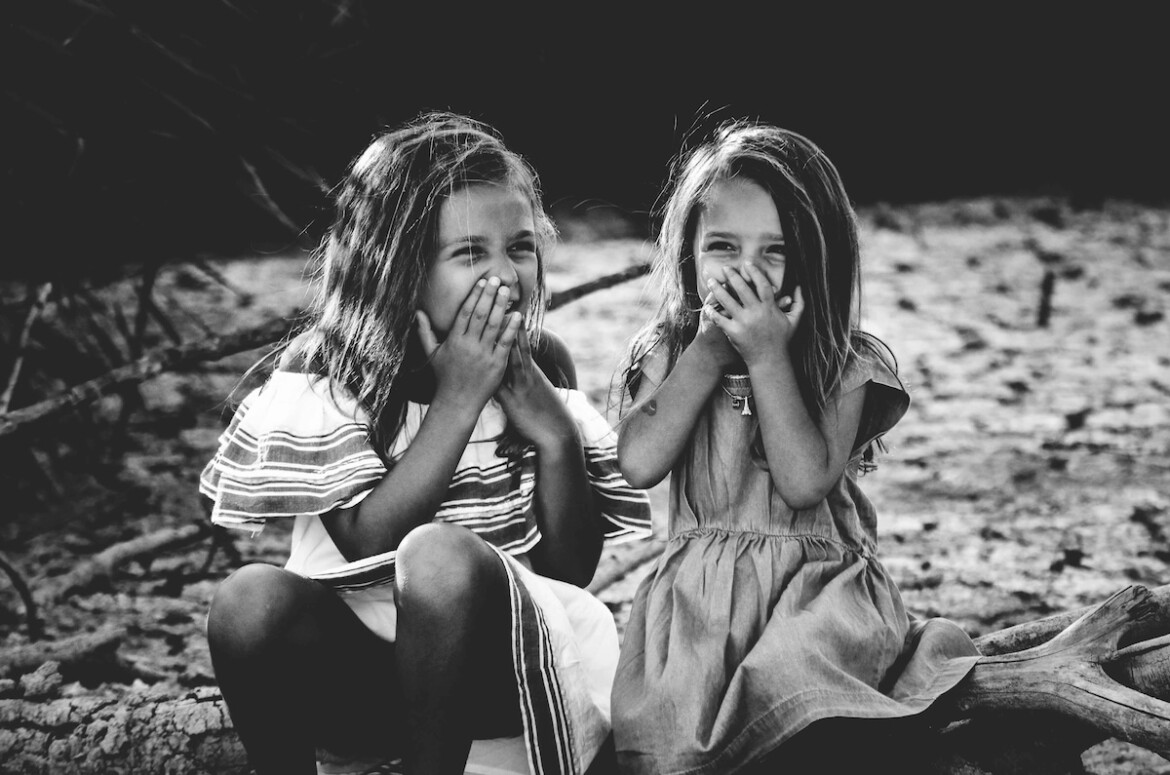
(412, 491)
(570, 526)
(799, 456)
(657, 428)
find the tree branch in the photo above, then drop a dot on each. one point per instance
(149, 365)
(102, 564)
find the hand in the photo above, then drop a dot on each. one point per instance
(757, 323)
(530, 401)
(469, 364)
(711, 342)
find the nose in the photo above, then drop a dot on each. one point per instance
(504, 269)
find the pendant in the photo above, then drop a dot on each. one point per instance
(747, 406)
(739, 382)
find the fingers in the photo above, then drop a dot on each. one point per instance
(720, 320)
(466, 311)
(742, 288)
(524, 344)
(520, 356)
(495, 316)
(512, 326)
(764, 290)
(797, 307)
(426, 335)
(720, 296)
(482, 313)
(484, 306)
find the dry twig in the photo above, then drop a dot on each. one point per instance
(77, 648)
(152, 363)
(36, 629)
(561, 298)
(39, 298)
(102, 564)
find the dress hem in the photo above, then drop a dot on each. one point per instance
(845, 708)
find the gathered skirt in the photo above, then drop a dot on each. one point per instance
(738, 641)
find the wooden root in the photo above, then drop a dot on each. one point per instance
(1067, 675)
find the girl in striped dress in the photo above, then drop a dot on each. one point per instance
(449, 487)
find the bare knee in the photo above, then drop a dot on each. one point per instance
(443, 567)
(253, 609)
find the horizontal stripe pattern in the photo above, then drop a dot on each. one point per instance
(296, 448)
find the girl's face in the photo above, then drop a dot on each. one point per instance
(485, 231)
(738, 224)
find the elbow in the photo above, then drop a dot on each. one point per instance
(581, 578)
(799, 503)
(577, 569)
(640, 477)
(805, 495)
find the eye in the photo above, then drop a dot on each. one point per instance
(470, 253)
(524, 246)
(719, 246)
(775, 252)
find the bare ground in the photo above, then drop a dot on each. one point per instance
(1031, 475)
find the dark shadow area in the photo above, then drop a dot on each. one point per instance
(145, 132)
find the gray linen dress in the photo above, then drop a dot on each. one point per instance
(759, 620)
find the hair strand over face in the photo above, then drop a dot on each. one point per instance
(821, 239)
(373, 264)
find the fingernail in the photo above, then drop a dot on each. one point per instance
(481, 283)
(503, 291)
(494, 281)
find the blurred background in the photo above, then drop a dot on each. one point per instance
(145, 131)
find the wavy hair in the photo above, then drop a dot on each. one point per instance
(372, 266)
(820, 231)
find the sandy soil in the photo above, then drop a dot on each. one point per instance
(1031, 475)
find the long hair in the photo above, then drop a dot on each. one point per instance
(372, 266)
(820, 231)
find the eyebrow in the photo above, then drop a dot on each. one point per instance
(774, 237)
(474, 239)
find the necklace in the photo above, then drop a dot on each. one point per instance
(738, 387)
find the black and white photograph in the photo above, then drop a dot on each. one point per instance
(410, 389)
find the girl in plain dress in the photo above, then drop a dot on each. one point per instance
(768, 611)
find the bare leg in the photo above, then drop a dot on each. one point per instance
(454, 646)
(297, 668)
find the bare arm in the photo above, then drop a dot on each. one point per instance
(805, 458)
(468, 366)
(660, 422)
(567, 514)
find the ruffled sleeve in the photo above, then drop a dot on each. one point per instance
(293, 447)
(626, 508)
(886, 399)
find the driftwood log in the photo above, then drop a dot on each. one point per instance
(138, 733)
(1069, 684)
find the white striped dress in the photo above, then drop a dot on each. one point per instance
(295, 449)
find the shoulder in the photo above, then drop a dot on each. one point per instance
(552, 356)
(872, 365)
(648, 362)
(871, 362)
